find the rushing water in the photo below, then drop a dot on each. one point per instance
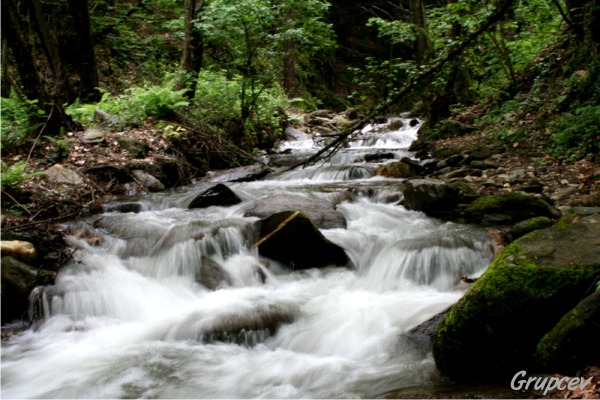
(127, 318)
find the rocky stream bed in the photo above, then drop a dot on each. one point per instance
(536, 307)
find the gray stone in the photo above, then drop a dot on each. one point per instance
(92, 135)
(591, 200)
(295, 134)
(129, 207)
(60, 174)
(478, 164)
(515, 206)
(572, 343)
(136, 148)
(212, 275)
(321, 212)
(246, 173)
(563, 193)
(431, 196)
(148, 181)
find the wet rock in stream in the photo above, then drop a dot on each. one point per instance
(290, 237)
(321, 213)
(218, 195)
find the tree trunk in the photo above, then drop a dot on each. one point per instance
(86, 65)
(290, 83)
(23, 53)
(193, 49)
(423, 49)
(5, 87)
(584, 16)
(34, 87)
(60, 88)
(575, 11)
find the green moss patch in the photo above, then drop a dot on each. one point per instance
(516, 206)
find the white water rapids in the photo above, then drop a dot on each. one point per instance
(127, 318)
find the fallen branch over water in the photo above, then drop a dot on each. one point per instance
(433, 68)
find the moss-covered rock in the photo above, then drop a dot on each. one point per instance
(493, 330)
(396, 169)
(529, 225)
(450, 128)
(291, 238)
(573, 343)
(514, 206)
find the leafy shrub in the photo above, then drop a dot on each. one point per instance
(155, 101)
(218, 100)
(18, 120)
(135, 106)
(15, 174)
(578, 135)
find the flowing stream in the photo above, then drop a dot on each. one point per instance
(128, 319)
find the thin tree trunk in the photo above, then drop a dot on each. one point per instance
(86, 65)
(424, 48)
(33, 86)
(290, 83)
(193, 49)
(5, 87)
(23, 53)
(576, 13)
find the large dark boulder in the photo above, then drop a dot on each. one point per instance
(321, 212)
(291, 238)
(493, 330)
(510, 208)
(218, 195)
(573, 343)
(18, 280)
(436, 197)
(427, 195)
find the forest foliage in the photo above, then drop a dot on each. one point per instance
(239, 67)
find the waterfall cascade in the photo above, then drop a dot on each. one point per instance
(177, 303)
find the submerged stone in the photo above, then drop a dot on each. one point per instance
(212, 275)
